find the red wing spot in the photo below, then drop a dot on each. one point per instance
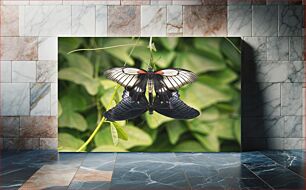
(141, 72)
(159, 72)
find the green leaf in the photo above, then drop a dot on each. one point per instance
(210, 141)
(121, 132)
(114, 134)
(209, 114)
(198, 63)
(107, 98)
(163, 59)
(109, 148)
(67, 142)
(189, 146)
(60, 111)
(225, 76)
(108, 84)
(155, 120)
(224, 128)
(202, 96)
(137, 137)
(79, 77)
(103, 137)
(67, 44)
(72, 102)
(210, 46)
(231, 53)
(175, 129)
(196, 126)
(73, 120)
(169, 42)
(80, 62)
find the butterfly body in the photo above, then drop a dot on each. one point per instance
(164, 83)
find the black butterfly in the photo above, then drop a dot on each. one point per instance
(165, 82)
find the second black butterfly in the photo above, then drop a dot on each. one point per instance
(164, 82)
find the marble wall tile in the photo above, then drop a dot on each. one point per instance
(153, 20)
(296, 48)
(293, 127)
(40, 99)
(46, 2)
(9, 127)
(23, 71)
(1, 144)
(214, 2)
(135, 2)
(275, 143)
(174, 20)
(83, 20)
(47, 48)
(28, 144)
(101, 20)
(15, 99)
(73, 2)
(290, 20)
(278, 48)
(54, 99)
(261, 99)
(292, 98)
(259, 127)
(295, 71)
(18, 48)
(10, 143)
(102, 2)
(239, 2)
(46, 71)
(271, 71)
(161, 2)
(239, 20)
(15, 2)
(293, 143)
(184, 2)
(9, 21)
(38, 126)
(264, 22)
(6, 71)
(49, 20)
(205, 21)
(259, 47)
(48, 143)
(125, 23)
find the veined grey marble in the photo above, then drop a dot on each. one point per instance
(259, 46)
(261, 99)
(292, 98)
(9, 126)
(175, 19)
(293, 127)
(46, 71)
(275, 143)
(271, 71)
(239, 20)
(295, 71)
(264, 22)
(52, 20)
(83, 20)
(40, 99)
(294, 143)
(54, 99)
(296, 48)
(153, 20)
(101, 20)
(15, 99)
(47, 48)
(290, 20)
(23, 71)
(278, 48)
(6, 71)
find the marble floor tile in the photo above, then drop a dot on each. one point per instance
(271, 172)
(147, 171)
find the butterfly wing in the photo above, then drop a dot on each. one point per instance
(127, 77)
(174, 107)
(127, 108)
(173, 79)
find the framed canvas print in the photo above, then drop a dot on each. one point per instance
(149, 94)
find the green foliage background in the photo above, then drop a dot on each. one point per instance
(84, 94)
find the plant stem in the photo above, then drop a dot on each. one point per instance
(100, 124)
(233, 44)
(103, 48)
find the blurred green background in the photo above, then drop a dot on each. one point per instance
(84, 94)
